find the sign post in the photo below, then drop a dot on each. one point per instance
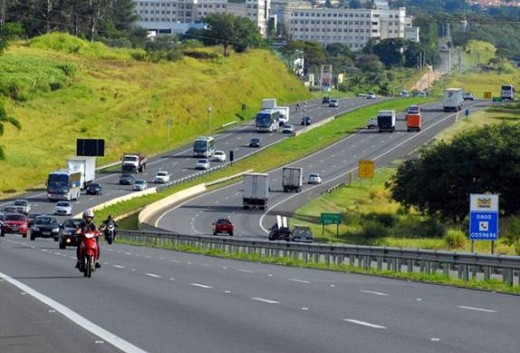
(483, 218)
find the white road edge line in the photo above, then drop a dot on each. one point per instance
(79, 320)
(201, 285)
(476, 309)
(363, 323)
(268, 301)
(372, 292)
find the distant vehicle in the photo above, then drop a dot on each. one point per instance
(202, 164)
(223, 225)
(255, 142)
(140, 185)
(31, 217)
(204, 146)
(256, 190)
(413, 109)
(63, 208)
(45, 227)
(67, 236)
(269, 103)
(64, 184)
(372, 123)
(325, 100)
(452, 100)
(421, 94)
(507, 92)
(371, 95)
(306, 120)
(280, 230)
(2, 217)
(85, 165)
(288, 129)
(134, 162)
(24, 204)
(301, 233)
(15, 223)
(404, 93)
(126, 179)
(94, 189)
(386, 120)
(314, 178)
(161, 177)
(468, 96)
(413, 122)
(333, 103)
(219, 156)
(283, 117)
(292, 179)
(267, 120)
(12, 209)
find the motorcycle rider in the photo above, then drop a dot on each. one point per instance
(85, 226)
(107, 222)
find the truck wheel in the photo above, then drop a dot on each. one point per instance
(230, 234)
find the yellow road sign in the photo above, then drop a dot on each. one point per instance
(488, 95)
(366, 168)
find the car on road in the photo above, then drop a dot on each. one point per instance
(94, 189)
(15, 223)
(255, 142)
(31, 217)
(140, 185)
(288, 129)
(306, 120)
(314, 178)
(468, 96)
(126, 179)
(223, 225)
(2, 217)
(45, 227)
(372, 123)
(12, 209)
(202, 164)
(325, 100)
(219, 156)
(63, 208)
(67, 236)
(371, 95)
(162, 177)
(23, 204)
(301, 233)
(404, 93)
(333, 103)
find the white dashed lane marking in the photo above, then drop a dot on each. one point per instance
(263, 300)
(476, 309)
(364, 323)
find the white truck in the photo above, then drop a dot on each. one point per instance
(284, 115)
(386, 120)
(133, 163)
(453, 99)
(292, 179)
(268, 103)
(256, 190)
(87, 167)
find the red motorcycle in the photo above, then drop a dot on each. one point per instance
(88, 252)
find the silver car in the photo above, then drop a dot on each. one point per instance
(140, 185)
(63, 208)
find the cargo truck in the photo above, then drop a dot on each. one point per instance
(87, 167)
(133, 163)
(283, 118)
(453, 99)
(256, 190)
(269, 103)
(292, 179)
(413, 122)
(386, 120)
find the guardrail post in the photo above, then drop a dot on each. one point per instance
(508, 276)
(465, 272)
(379, 263)
(327, 260)
(409, 265)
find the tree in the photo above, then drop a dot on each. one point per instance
(229, 30)
(390, 51)
(440, 181)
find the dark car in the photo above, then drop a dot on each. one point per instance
(255, 142)
(68, 235)
(31, 217)
(13, 209)
(325, 100)
(223, 225)
(15, 223)
(301, 233)
(279, 233)
(306, 120)
(45, 227)
(94, 189)
(126, 179)
(2, 217)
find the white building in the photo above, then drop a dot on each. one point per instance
(159, 14)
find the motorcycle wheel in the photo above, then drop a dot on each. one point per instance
(109, 239)
(87, 269)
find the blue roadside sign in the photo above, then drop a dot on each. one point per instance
(483, 217)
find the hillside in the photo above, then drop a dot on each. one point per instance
(81, 91)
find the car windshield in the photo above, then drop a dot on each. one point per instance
(20, 203)
(219, 153)
(72, 223)
(63, 204)
(127, 176)
(255, 140)
(15, 217)
(139, 182)
(203, 161)
(94, 185)
(314, 176)
(45, 220)
(224, 221)
(161, 173)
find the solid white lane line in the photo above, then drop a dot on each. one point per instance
(476, 309)
(118, 266)
(200, 285)
(96, 330)
(363, 323)
(263, 300)
(245, 271)
(372, 292)
(298, 280)
(153, 275)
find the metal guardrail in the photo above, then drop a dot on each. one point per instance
(465, 266)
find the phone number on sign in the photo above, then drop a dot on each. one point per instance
(483, 235)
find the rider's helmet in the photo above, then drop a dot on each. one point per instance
(88, 215)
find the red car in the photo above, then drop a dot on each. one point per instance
(15, 223)
(223, 225)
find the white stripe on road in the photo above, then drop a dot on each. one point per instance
(268, 301)
(476, 309)
(118, 266)
(96, 330)
(363, 323)
(245, 271)
(298, 280)
(153, 275)
(200, 285)
(372, 292)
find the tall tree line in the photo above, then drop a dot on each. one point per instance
(90, 19)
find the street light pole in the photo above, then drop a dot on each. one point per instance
(169, 121)
(209, 111)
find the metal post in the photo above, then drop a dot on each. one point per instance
(209, 111)
(169, 122)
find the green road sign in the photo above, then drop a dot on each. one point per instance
(330, 218)
(497, 99)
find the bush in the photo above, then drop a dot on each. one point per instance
(512, 232)
(385, 219)
(432, 227)
(455, 239)
(373, 229)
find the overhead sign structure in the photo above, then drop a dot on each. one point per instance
(90, 147)
(366, 168)
(483, 217)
